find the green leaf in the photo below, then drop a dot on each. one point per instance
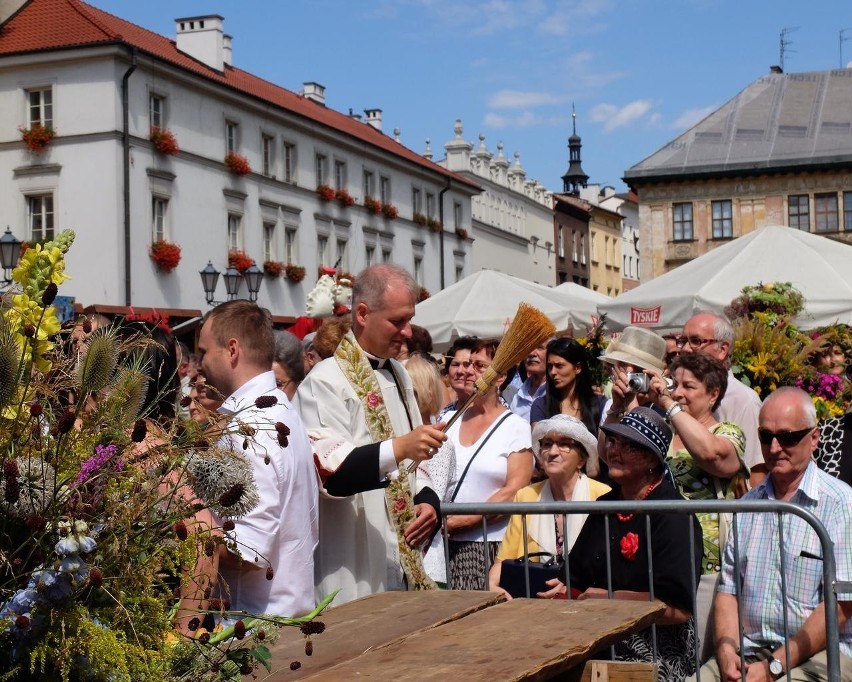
(261, 653)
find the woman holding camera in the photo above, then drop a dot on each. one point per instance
(706, 456)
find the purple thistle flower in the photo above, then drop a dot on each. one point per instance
(103, 454)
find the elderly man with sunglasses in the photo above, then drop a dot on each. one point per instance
(712, 334)
(788, 436)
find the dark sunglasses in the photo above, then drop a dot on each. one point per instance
(786, 439)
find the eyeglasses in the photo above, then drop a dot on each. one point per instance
(786, 439)
(561, 445)
(694, 341)
(480, 366)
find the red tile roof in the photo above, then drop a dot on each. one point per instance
(43, 25)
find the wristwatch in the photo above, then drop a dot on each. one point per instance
(775, 668)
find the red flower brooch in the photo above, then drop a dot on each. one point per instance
(629, 546)
(373, 399)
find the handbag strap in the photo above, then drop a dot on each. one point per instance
(481, 445)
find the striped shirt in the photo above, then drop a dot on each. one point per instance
(830, 500)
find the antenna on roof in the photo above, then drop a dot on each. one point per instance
(785, 43)
(843, 39)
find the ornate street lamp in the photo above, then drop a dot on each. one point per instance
(254, 277)
(10, 254)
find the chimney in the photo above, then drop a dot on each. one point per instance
(775, 69)
(374, 118)
(228, 50)
(202, 38)
(353, 115)
(314, 92)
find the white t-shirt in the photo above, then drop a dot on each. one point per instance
(487, 473)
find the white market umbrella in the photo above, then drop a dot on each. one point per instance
(819, 267)
(583, 316)
(484, 304)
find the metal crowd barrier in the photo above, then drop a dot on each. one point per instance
(830, 584)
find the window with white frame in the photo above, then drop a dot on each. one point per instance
(369, 181)
(159, 218)
(386, 256)
(370, 253)
(290, 255)
(430, 205)
(289, 162)
(234, 231)
(269, 241)
(267, 143)
(459, 273)
(561, 239)
(582, 249)
(339, 174)
(415, 200)
(40, 216)
(342, 254)
(40, 107)
(321, 168)
(157, 111)
(457, 215)
(385, 189)
(232, 135)
(322, 249)
(418, 270)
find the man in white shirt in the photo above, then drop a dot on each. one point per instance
(236, 348)
(713, 334)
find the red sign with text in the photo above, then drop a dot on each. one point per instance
(645, 315)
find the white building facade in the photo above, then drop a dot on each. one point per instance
(103, 87)
(512, 218)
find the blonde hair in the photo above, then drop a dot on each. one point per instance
(428, 387)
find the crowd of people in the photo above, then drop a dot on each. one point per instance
(350, 499)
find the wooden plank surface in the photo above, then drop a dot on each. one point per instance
(524, 639)
(371, 622)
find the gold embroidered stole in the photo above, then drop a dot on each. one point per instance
(356, 368)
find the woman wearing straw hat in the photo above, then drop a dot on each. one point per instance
(563, 446)
(493, 462)
(634, 351)
(636, 447)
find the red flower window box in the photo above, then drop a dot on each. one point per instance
(295, 273)
(390, 211)
(344, 198)
(374, 206)
(239, 260)
(164, 141)
(325, 192)
(37, 138)
(237, 164)
(273, 268)
(165, 254)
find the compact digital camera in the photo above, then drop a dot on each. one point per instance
(639, 382)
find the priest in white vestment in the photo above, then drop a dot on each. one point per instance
(359, 409)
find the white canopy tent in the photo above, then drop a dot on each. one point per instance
(484, 303)
(819, 267)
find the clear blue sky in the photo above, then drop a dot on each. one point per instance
(639, 72)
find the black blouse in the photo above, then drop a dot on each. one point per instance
(669, 549)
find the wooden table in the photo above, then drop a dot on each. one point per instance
(450, 635)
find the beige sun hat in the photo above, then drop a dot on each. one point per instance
(638, 347)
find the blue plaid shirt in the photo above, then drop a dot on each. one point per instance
(830, 500)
